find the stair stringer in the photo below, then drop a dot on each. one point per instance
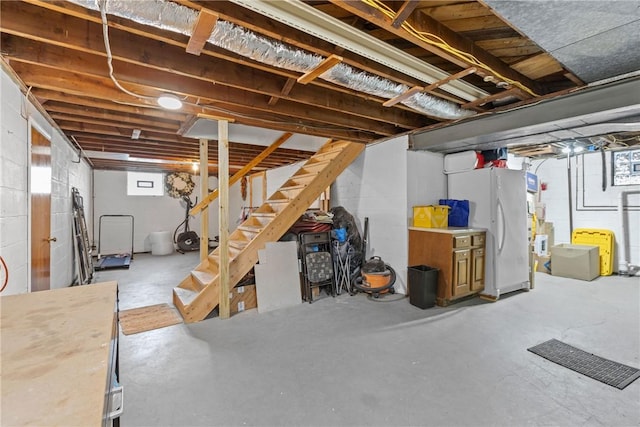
(240, 264)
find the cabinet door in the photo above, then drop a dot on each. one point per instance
(477, 269)
(461, 272)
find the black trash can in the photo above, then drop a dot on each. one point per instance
(423, 284)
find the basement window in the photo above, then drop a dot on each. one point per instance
(626, 167)
(145, 184)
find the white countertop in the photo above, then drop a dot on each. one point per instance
(450, 230)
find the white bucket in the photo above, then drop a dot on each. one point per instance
(161, 243)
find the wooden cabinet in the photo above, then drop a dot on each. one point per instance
(459, 254)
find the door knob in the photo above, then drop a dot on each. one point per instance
(52, 239)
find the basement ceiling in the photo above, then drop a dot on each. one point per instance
(355, 70)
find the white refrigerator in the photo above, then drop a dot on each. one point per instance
(498, 202)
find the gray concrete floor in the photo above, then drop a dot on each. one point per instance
(353, 361)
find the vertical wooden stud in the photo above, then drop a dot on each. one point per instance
(223, 215)
(204, 190)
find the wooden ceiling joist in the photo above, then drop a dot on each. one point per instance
(57, 49)
(403, 13)
(201, 31)
(423, 23)
(490, 98)
(133, 49)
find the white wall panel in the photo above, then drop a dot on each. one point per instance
(426, 183)
(375, 186)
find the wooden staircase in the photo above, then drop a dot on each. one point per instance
(199, 293)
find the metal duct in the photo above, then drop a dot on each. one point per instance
(180, 19)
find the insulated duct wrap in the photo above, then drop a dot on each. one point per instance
(180, 19)
(248, 44)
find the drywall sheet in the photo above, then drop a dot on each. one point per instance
(277, 277)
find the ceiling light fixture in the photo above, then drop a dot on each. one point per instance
(169, 101)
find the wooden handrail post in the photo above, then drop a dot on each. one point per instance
(242, 172)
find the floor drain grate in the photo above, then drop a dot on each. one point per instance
(601, 369)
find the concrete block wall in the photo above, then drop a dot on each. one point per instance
(153, 213)
(591, 207)
(17, 114)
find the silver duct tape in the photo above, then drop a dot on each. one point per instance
(246, 43)
(173, 17)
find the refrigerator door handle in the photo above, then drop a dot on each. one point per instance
(502, 226)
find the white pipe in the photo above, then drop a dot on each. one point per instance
(624, 265)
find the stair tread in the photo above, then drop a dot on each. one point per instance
(306, 175)
(185, 296)
(292, 187)
(250, 228)
(238, 244)
(264, 214)
(203, 277)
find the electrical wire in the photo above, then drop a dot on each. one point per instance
(6, 274)
(107, 47)
(435, 40)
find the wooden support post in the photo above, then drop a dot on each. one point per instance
(242, 172)
(325, 65)
(204, 190)
(223, 216)
(201, 31)
(402, 97)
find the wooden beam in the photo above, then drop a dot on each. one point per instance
(423, 23)
(284, 92)
(101, 88)
(403, 13)
(322, 67)
(402, 97)
(452, 77)
(487, 99)
(148, 62)
(206, 200)
(204, 189)
(577, 81)
(223, 218)
(201, 31)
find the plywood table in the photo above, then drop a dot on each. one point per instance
(59, 354)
